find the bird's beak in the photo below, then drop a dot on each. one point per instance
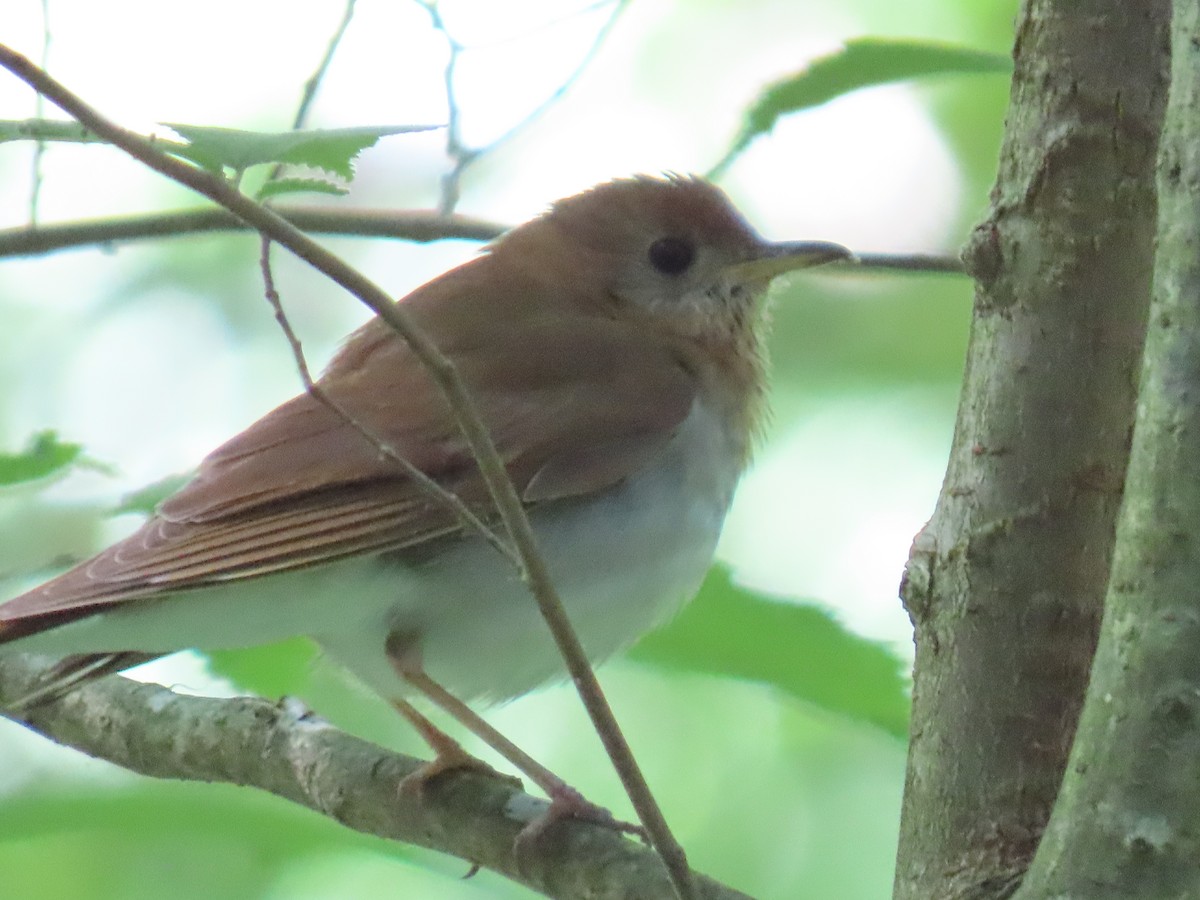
(775, 259)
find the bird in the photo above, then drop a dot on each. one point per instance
(614, 348)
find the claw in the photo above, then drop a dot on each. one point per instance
(451, 757)
(567, 803)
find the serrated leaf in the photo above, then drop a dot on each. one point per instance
(44, 455)
(145, 500)
(332, 150)
(280, 186)
(861, 63)
(734, 633)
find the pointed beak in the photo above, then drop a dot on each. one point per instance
(775, 259)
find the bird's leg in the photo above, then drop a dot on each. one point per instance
(565, 801)
(449, 754)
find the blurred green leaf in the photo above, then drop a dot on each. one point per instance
(869, 334)
(731, 632)
(332, 150)
(862, 62)
(145, 500)
(295, 667)
(44, 455)
(127, 843)
(269, 670)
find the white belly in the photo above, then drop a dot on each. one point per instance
(622, 562)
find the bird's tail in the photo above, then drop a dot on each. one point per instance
(72, 672)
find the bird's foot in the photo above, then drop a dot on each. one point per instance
(451, 757)
(566, 804)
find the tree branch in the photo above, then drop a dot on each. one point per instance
(409, 225)
(1005, 585)
(284, 750)
(412, 225)
(1127, 823)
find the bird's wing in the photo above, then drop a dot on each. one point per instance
(573, 404)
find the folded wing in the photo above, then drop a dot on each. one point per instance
(574, 404)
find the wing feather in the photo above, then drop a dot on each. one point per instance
(574, 403)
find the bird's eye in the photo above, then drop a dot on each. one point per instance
(672, 255)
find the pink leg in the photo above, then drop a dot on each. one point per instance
(449, 754)
(565, 801)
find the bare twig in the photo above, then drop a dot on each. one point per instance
(39, 149)
(619, 6)
(408, 225)
(546, 24)
(314, 82)
(462, 155)
(313, 85)
(933, 263)
(432, 489)
(435, 491)
(446, 376)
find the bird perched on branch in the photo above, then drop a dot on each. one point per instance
(613, 349)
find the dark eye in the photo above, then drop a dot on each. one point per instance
(672, 255)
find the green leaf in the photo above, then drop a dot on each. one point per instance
(145, 500)
(280, 186)
(731, 632)
(861, 63)
(269, 670)
(45, 455)
(332, 150)
(117, 838)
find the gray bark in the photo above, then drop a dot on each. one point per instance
(1005, 584)
(1127, 823)
(287, 752)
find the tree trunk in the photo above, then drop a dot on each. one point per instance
(1005, 584)
(1128, 821)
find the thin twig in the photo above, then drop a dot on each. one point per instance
(410, 225)
(431, 488)
(619, 6)
(314, 82)
(39, 148)
(544, 25)
(313, 85)
(407, 225)
(932, 263)
(446, 376)
(462, 155)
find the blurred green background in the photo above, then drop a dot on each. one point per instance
(770, 717)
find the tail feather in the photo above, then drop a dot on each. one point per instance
(72, 672)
